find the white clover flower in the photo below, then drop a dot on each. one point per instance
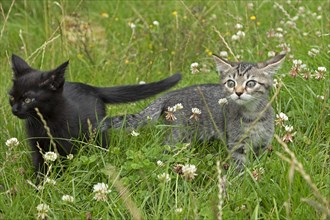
(320, 97)
(285, 47)
(196, 111)
(288, 128)
(313, 52)
(178, 210)
(321, 69)
(275, 83)
(271, 54)
(282, 116)
(303, 66)
(142, 82)
(291, 24)
(156, 23)
(295, 18)
(257, 173)
(189, 171)
(278, 35)
(42, 211)
(67, 198)
(170, 114)
(194, 68)
(320, 72)
(178, 106)
(164, 177)
(213, 17)
(238, 26)
(250, 5)
(223, 101)
(195, 114)
(319, 17)
(12, 142)
(205, 69)
(223, 54)
(240, 34)
(135, 133)
(69, 156)
(234, 37)
(297, 62)
(279, 29)
(171, 109)
(160, 163)
(132, 25)
(301, 9)
(50, 156)
(101, 191)
(50, 181)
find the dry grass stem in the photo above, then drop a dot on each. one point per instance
(124, 192)
(297, 166)
(225, 42)
(220, 193)
(6, 18)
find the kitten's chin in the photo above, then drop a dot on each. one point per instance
(240, 100)
(20, 116)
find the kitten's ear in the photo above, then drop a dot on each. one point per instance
(272, 65)
(19, 66)
(222, 64)
(54, 79)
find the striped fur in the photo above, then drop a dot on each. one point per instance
(243, 124)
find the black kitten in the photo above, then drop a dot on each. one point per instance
(71, 110)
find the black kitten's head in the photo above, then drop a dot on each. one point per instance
(34, 88)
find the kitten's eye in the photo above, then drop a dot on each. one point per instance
(231, 83)
(251, 83)
(27, 100)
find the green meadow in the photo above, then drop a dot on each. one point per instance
(117, 42)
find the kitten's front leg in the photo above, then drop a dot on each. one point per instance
(38, 162)
(239, 153)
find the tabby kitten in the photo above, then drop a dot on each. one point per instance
(71, 110)
(234, 111)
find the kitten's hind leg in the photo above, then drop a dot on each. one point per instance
(105, 124)
(102, 138)
(176, 134)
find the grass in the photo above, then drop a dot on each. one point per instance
(104, 50)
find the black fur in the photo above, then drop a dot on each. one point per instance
(69, 109)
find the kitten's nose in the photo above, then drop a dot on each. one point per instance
(14, 109)
(238, 93)
(239, 90)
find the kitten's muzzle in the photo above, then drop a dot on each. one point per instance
(17, 113)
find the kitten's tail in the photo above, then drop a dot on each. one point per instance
(130, 93)
(150, 114)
